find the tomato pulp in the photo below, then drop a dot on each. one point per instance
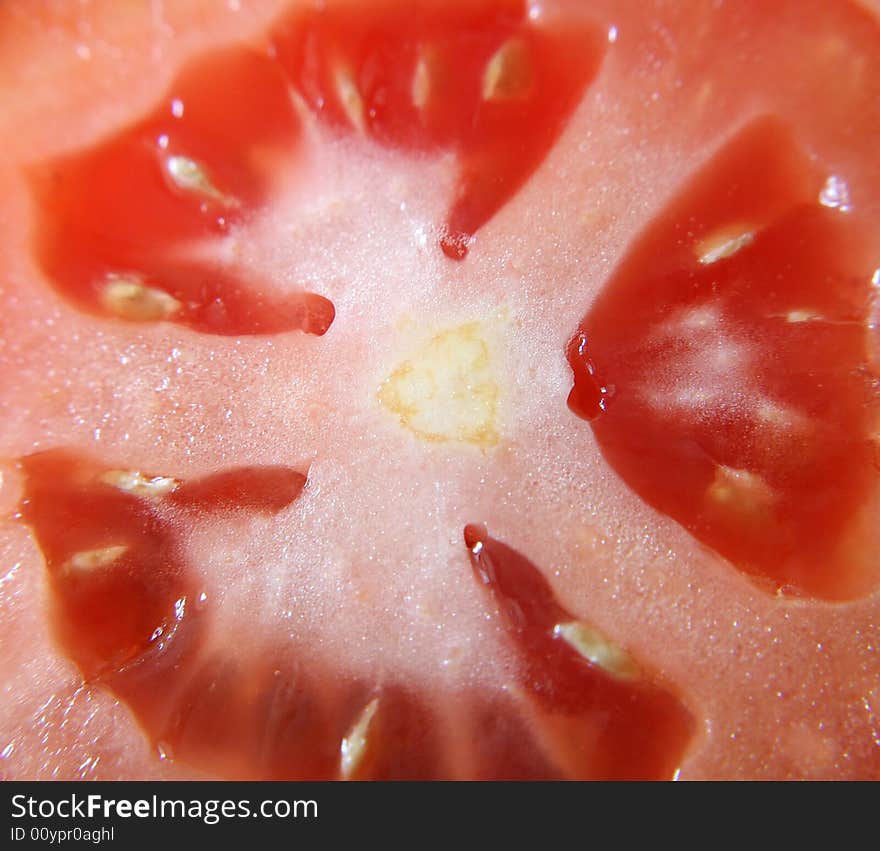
(299, 449)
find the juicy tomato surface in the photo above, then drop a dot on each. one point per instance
(477, 389)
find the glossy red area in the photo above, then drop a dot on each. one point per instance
(614, 728)
(742, 403)
(415, 81)
(423, 82)
(107, 616)
(266, 489)
(121, 583)
(129, 609)
(131, 612)
(115, 210)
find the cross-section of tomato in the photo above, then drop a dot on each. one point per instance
(289, 483)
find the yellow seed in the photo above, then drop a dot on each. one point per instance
(797, 316)
(777, 416)
(433, 79)
(447, 391)
(741, 493)
(354, 745)
(191, 176)
(137, 484)
(509, 74)
(723, 244)
(128, 297)
(87, 561)
(703, 96)
(598, 649)
(702, 318)
(350, 98)
(421, 83)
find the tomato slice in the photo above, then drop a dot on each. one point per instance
(298, 537)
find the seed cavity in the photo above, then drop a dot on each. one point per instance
(447, 391)
(137, 484)
(598, 650)
(87, 561)
(509, 74)
(354, 745)
(723, 244)
(797, 316)
(190, 176)
(128, 297)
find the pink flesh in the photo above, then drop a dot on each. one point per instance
(785, 688)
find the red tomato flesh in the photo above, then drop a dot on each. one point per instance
(726, 367)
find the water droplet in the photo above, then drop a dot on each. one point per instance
(835, 194)
(455, 245)
(590, 396)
